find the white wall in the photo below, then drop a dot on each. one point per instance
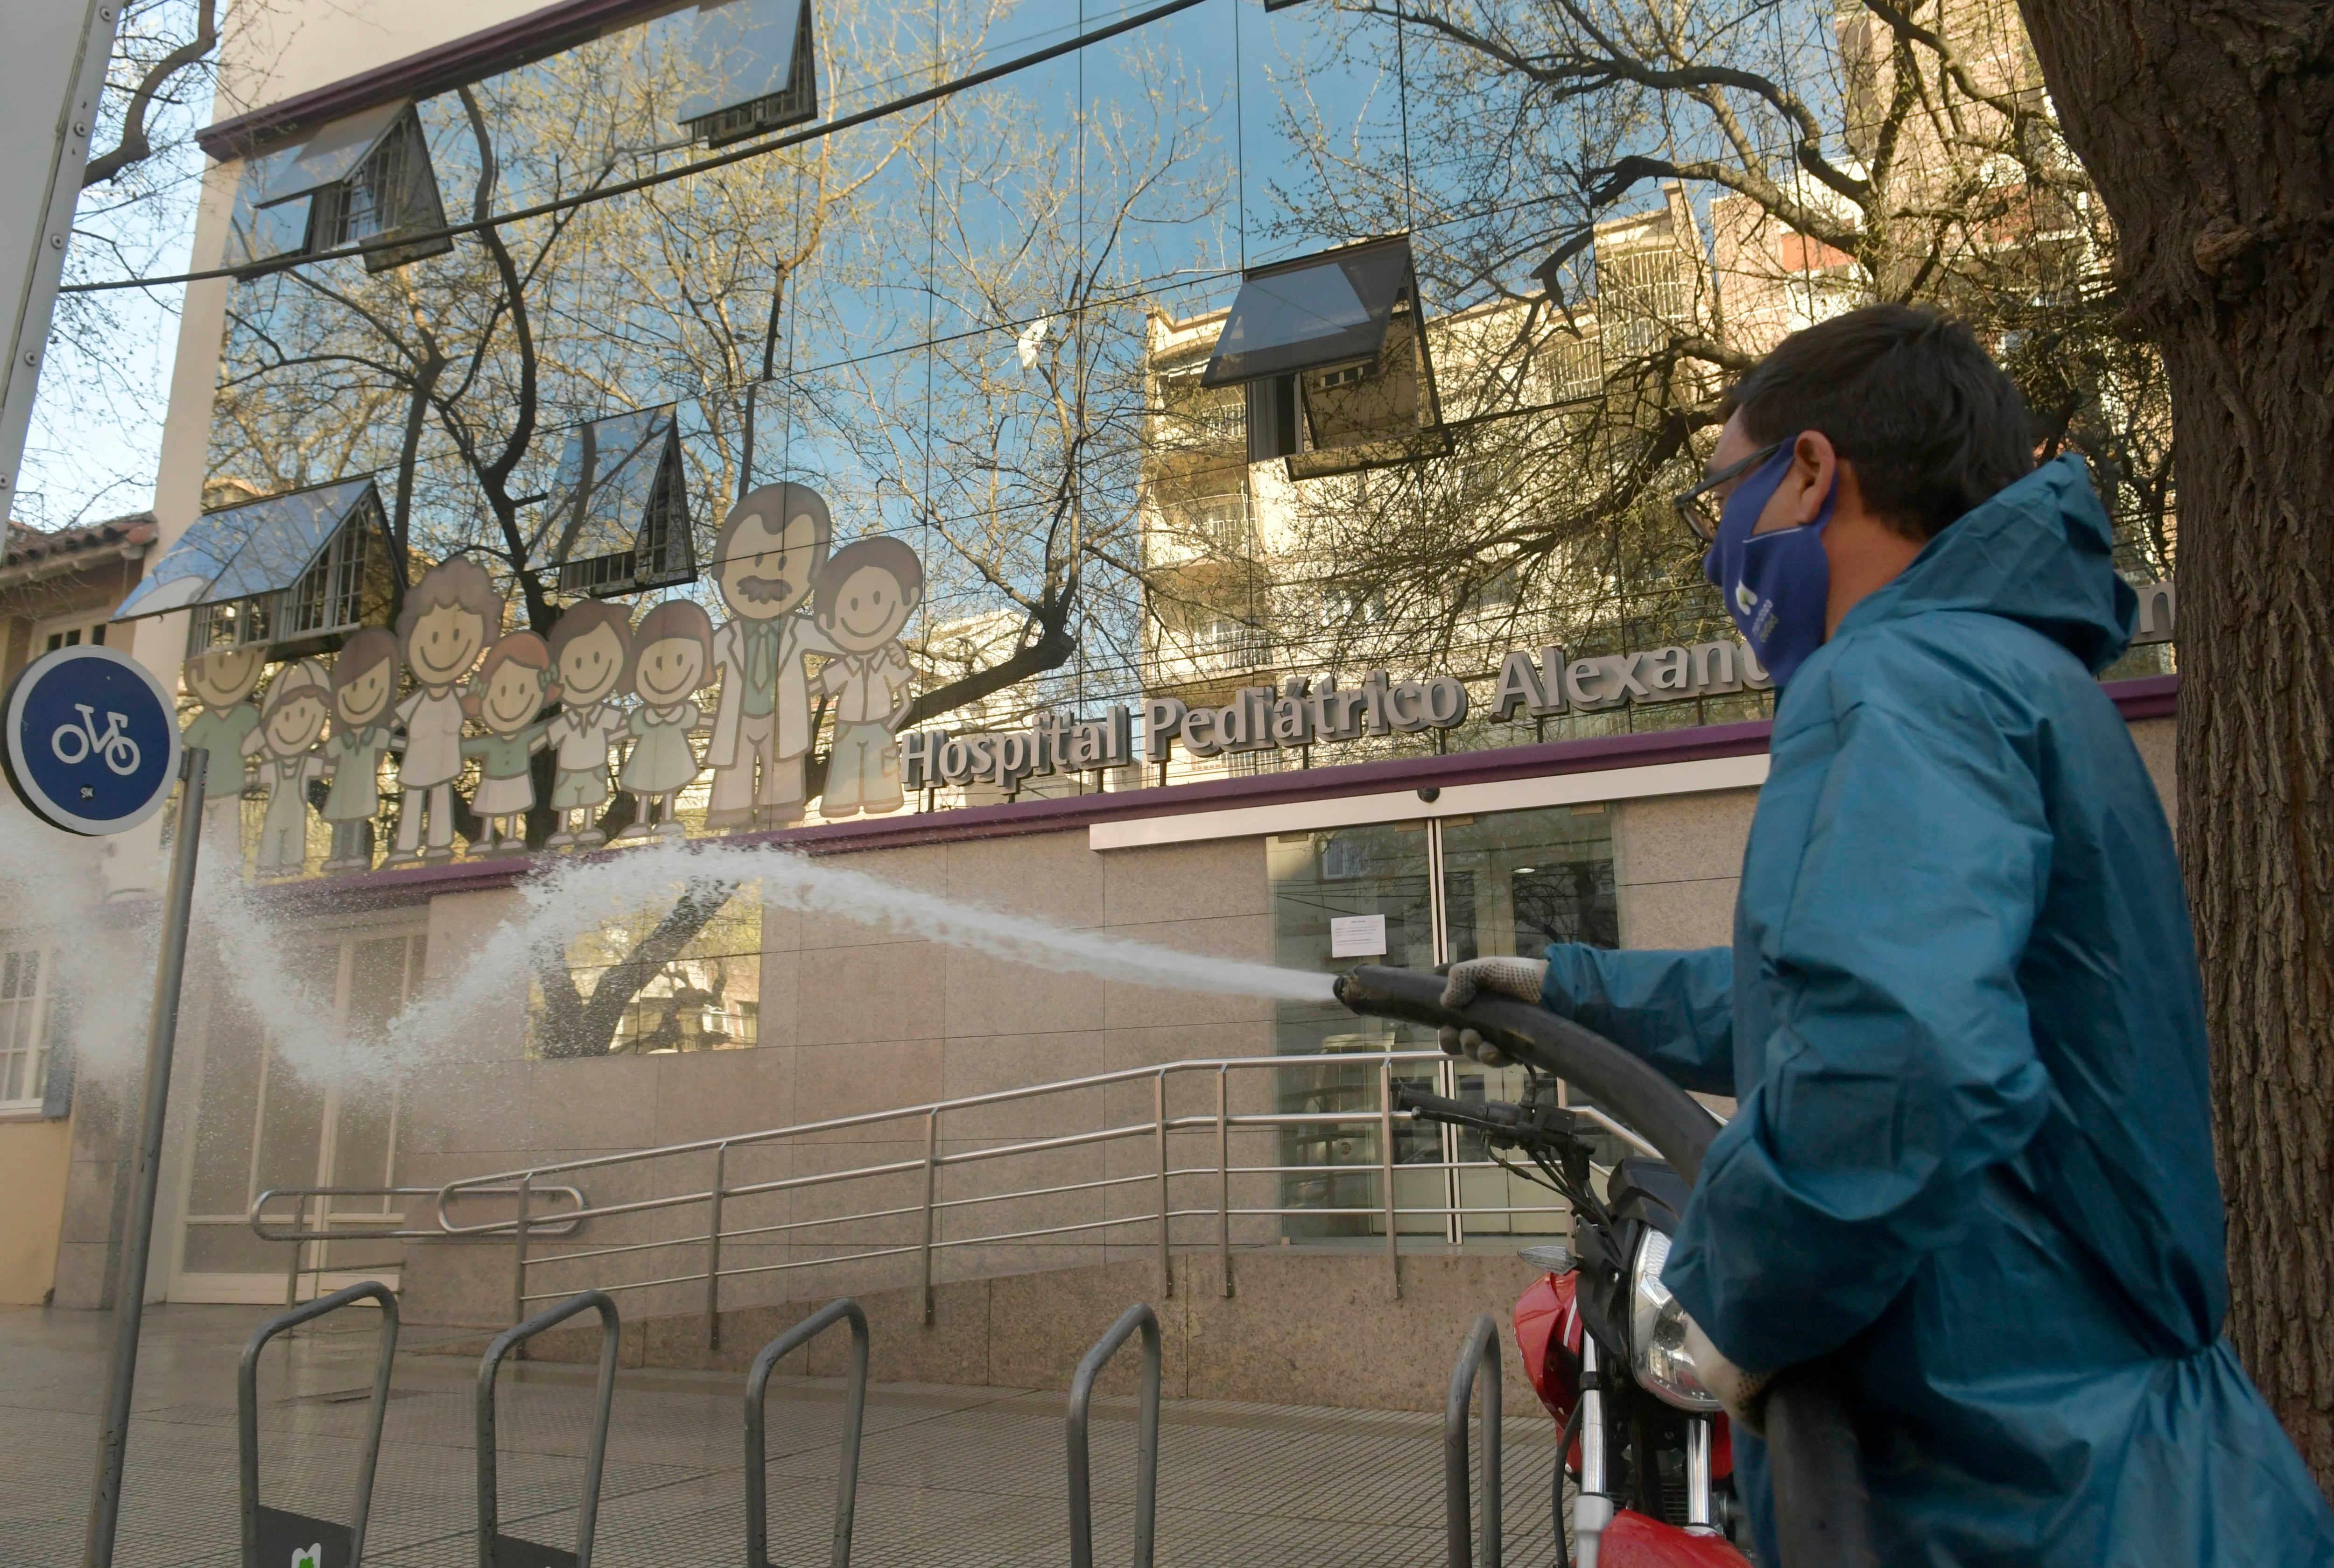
(270, 50)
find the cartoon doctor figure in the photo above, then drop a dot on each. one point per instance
(766, 561)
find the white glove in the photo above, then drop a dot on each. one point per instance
(1519, 978)
(1744, 1394)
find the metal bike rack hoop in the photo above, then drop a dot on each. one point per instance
(497, 1550)
(1479, 1352)
(1146, 1463)
(274, 1536)
(758, 1384)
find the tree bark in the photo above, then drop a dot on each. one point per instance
(2206, 125)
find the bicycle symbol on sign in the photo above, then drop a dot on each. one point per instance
(73, 744)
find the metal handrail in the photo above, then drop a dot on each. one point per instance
(1478, 1353)
(908, 1222)
(855, 1418)
(491, 1551)
(967, 1102)
(247, 1419)
(555, 1224)
(1147, 1453)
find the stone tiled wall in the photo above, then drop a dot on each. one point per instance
(854, 1018)
(857, 1018)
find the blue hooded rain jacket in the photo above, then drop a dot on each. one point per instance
(1973, 1154)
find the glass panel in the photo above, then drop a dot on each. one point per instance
(225, 1121)
(364, 1132)
(661, 981)
(1377, 872)
(1314, 313)
(606, 489)
(1514, 883)
(285, 534)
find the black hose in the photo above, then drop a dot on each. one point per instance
(1632, 1088)
(1823, 1512)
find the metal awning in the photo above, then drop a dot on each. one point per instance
(746, 53)
(261, 546)
(1321, 310)
(331, 154)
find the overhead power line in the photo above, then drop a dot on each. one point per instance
(663, 177)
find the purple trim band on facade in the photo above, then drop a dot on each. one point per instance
(442, 69)
(2150, 697)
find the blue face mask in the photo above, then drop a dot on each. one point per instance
(1776, 585)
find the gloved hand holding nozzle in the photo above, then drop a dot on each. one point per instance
(1520, 978)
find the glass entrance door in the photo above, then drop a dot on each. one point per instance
(260, 1124)
(1414, 895)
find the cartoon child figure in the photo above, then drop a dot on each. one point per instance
(866, 594)
(290, 724)
(450, 617)
(591, 651)
(766, 559)
(672, 654)
(222, 680)
(512, 687)
(364, 683)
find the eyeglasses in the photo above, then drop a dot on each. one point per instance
(1701, 507)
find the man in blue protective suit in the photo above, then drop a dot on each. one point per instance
(1971, 1161)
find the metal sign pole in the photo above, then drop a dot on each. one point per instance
(130, 1290)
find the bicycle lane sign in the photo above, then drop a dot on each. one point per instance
(91, 745)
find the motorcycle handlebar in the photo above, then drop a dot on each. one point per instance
(1823, 1510)
(1496, 1119)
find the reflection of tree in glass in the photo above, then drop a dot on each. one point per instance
(1565, 903)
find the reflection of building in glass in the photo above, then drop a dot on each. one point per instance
(1246, 582)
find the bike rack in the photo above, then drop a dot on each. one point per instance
(758, 1383)
(1146, 1464)
(1478, 1353)
(274, 1536)
(497, 1550)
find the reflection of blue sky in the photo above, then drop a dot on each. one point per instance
(894, 318)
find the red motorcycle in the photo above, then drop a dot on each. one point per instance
(1604, 1344)
(1601, 1338)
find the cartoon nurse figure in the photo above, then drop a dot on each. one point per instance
(866, 594)
(364, 682)
(512, 687)
(450, 617)
(672, 654)
(591, 651)
(290, 724)
(766, 559)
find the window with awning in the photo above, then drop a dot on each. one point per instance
(617, 518)
(1332, 351)
(364, 180)
(297, 571)
(753, 68)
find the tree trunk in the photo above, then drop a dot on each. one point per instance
(2206, 127)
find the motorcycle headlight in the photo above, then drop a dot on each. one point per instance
(1657, 1353)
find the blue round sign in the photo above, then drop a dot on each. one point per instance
(92, 740)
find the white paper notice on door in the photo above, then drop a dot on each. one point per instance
(1357, 936)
